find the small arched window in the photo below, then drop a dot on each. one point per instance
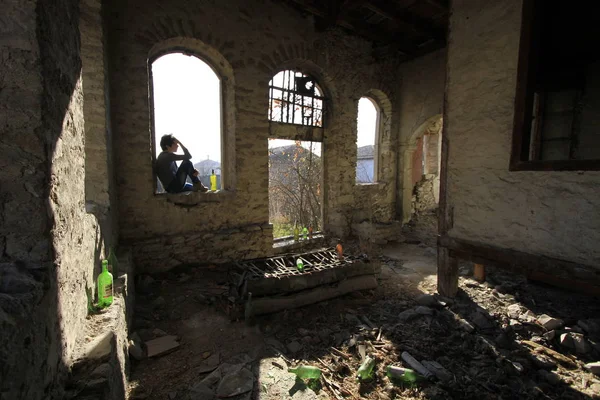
(295, 98)
(186, 99)
(367, 141)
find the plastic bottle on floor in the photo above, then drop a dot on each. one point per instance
(365, 371)
(306, 372)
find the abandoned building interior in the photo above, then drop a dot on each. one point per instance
(414, 182)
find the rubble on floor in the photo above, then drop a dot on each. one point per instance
(502, 339)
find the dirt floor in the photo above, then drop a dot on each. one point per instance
(489, 339)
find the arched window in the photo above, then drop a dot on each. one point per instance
(186, 99)
(295, 98)
(367, 141)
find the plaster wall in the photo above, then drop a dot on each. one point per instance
(420, 103)
(556, 214)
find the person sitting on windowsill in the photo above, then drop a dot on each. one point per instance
(172, 178)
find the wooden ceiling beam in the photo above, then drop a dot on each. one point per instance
(406, 19)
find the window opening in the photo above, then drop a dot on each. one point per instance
(366, 141)
(295, 98)
(558, 102)
(186, 96)
(295, 182)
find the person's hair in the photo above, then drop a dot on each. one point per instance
(166, 141)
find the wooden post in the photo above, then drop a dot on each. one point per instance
(447, 273)
(479, 272)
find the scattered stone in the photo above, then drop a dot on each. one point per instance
(102, 371)
(422, 310)
(135, 350)
(325, 334)
(515, 325)
(159, 302)
(408, 315)
(575, 341)
(590, 326)
(438, 370)
(549, 323)
(481, 320)
(209, 364)
(518, 367)
(527, 316)
(236, 383)
(159, 332)
(503, 341)
(427, 300)
(514, 310)
(162, 345)
(294, 347)
(549, 377)
(594, 367)
(172, 395)
(276, 344)
(549, 336)
(304, 332)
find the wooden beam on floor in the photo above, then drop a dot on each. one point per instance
(584, 277)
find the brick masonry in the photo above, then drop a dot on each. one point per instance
(256, 40)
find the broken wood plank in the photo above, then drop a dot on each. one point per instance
(341, 353)
(266, 305)
(296, 281)
(161, 345)
(561, 358)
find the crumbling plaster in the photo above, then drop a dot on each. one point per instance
(556, 214)
(257, 39)
(420, 103)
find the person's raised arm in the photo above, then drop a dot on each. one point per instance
(186, 153)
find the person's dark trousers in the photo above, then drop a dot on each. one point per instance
(178, 184)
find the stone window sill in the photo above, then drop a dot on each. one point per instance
(370, 184)
(192, 198)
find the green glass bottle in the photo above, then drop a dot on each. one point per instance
(105, 286)
(304, 233)
(299, 264)
(213, 181)
(113, 263)
(365, 371)
(306, 372)
(403, 375)
(296, 233)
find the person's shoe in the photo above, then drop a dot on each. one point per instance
(199, 187)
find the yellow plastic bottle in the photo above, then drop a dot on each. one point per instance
(213, 181)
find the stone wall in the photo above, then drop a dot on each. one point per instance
(420, 105)
(99, 177)
(255, 39)
(48, 241)
(556, 214)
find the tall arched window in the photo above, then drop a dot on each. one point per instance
(186, 98)
(295, 98)
(367, 141)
